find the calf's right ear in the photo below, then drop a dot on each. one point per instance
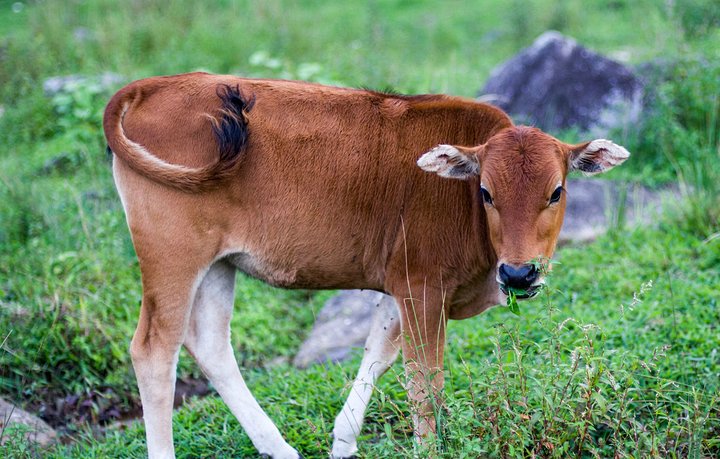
(451, 161)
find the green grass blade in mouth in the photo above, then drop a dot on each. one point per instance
(519, 291)
(512, 303)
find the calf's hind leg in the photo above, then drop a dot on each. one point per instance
(208, 340)
(164, 313)
(381, 350)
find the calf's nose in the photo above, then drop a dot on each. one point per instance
(520, 278)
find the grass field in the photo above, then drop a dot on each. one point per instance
(621, 357)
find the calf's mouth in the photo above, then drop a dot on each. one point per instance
(521, 294)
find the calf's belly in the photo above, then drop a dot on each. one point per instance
(311, 272)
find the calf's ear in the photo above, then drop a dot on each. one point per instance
(451, 161)
(597, 156)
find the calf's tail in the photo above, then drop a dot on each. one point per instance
(230, 129)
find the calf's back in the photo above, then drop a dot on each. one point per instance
(322, 190)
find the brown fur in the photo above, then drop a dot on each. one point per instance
(326, 193)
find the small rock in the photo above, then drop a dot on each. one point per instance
(57, 84)
(39, 432)
(92, 195)
(557, 84)
(82, 34)
(277, 362)
(342, 324)
(189, 387)
(60, 164)
(15, 309)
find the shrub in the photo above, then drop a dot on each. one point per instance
(697, 17)
(680, 138)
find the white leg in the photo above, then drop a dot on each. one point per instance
(208, 340)
(155, 373)
(381, 350)
(154, 351)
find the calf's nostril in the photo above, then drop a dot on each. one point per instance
(520, 277)
(532, 274)
(504, 273)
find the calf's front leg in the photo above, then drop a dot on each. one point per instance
(423, 322)
(381, 350)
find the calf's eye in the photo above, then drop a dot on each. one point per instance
(486, 196)
(556, 195)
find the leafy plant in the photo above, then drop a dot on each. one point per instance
(264, 64)
(697, 17)
(79, 108)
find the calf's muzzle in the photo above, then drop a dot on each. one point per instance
(523, 280)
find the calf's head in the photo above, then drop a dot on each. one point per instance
(522, 175)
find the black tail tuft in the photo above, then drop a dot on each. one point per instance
(231, 127)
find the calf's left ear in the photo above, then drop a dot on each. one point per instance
(596, 156)
(452, 162)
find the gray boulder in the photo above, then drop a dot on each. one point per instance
(342, 325)
(36, 430)
(557, 84)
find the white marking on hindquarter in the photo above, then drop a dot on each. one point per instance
(120, 186)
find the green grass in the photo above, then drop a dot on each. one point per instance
(653, 358)
(69, 283)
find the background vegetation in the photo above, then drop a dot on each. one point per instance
(620, 359)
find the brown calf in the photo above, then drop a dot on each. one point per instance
(307, 186)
